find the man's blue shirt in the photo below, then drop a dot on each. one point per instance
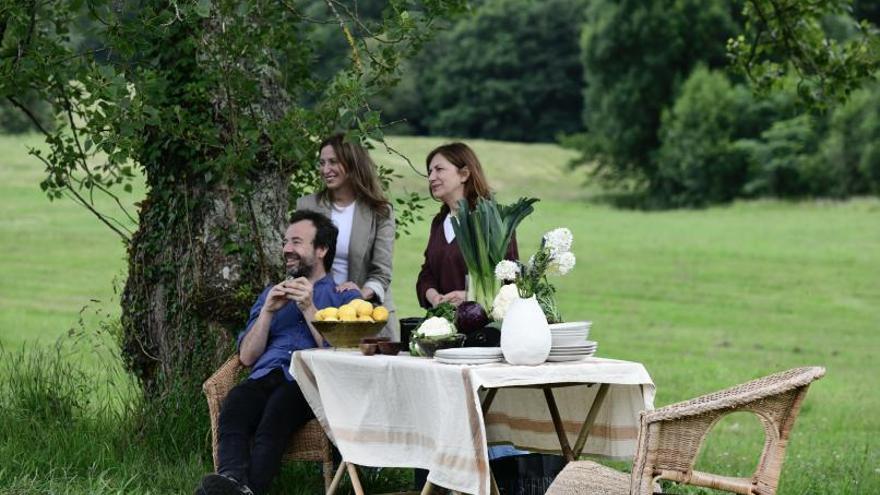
(289, 331)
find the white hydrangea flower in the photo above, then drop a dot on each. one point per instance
(435, 326)
(561, 264)
(559, 240)
(506, 295)
(506, 270)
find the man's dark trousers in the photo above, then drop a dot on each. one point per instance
(267, 411)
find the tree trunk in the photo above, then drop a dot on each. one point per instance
(189, 289)
(209, 238)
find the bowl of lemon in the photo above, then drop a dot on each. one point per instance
(346, 325)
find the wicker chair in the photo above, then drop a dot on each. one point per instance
(670, 438)
(309, 443)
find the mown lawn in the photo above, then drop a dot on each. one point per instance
(704, 298)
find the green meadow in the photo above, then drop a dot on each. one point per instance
(704, 298)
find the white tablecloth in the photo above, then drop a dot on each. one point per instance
(402, 411)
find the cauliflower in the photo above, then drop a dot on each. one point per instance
(435, 326)
(505, 296)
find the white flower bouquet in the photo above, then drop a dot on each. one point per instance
(553, 258)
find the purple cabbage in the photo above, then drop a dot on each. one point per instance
(470, 317)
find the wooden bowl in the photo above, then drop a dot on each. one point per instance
(368, 349)
(389, 348)
(347, 333)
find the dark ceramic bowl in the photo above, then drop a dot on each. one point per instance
(428, 345)
(368, 349)
(389, 348)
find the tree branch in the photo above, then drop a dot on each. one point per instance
(348, 37)
(31, 116)
(302, 16)
(77, 197)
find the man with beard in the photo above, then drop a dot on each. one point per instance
(260, 414)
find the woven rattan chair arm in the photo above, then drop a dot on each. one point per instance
(732, 398)
(216, 387)
(708, 480)
(221, 382)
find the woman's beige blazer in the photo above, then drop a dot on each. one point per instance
(370, 252)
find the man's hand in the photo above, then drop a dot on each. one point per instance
(299, 290)
(278, 296)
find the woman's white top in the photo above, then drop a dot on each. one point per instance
(448, 232)
(343, 218)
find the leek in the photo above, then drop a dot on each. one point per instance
(484, 234)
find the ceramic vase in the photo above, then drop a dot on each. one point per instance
(525, 335)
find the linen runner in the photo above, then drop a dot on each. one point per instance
(403, 411)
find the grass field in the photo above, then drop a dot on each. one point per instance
(704, 298)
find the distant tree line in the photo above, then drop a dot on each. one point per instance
(683, 103)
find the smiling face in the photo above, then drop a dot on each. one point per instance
(445, 180)
(331, 169)
(301, 257)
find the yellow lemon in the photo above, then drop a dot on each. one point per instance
(380, 313)
(364, 308)
(330, 318)
(347, 313)
(356, 301)
(331, 311)
(319, 315)
(365, 318)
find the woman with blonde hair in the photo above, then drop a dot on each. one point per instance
(353, 198)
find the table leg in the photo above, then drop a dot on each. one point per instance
(352, 475)
(336, 478)
(557, 424)
(426, 490)
(487, 401)
(493, 487)
(355, 479)
(591, 417)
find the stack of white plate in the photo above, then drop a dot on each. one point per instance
(572, 352)
(573, 333)
(469, 355)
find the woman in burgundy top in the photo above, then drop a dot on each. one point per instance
(454, 172)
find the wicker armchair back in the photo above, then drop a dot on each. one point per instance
(670, 439)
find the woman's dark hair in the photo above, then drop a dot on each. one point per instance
(462, 156)
(325, 235)
(361, 171)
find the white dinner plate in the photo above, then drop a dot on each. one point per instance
(469, 352)
(572, 348)
(556, 359)
(572, 353)
(468, 360)
(572, 326)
